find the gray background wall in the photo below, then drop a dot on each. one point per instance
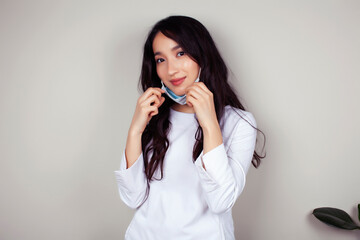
(68, 89)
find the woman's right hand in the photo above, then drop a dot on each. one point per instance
(146, 107)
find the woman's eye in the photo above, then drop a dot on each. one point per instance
(181, 53)
(159, 60)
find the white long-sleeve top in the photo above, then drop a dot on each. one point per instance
(190, 202)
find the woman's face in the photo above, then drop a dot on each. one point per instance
(174, 66)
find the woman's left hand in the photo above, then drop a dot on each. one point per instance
(201, 99)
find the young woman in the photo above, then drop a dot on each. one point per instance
(190, 142)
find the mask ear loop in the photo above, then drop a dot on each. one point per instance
(199, 74)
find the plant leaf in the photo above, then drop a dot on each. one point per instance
(335, 217)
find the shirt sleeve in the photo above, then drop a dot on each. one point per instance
(224, 177)
(131, 182)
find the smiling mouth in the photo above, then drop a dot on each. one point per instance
(178, 81)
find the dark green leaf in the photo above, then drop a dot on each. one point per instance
(335, 217)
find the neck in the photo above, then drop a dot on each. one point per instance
(183, 108)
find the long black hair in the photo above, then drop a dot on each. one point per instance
(196, 41)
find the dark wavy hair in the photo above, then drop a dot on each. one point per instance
(196, 41)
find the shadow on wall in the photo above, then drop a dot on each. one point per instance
(324, 230)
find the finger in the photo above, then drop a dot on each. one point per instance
(194, 86)
(197, 93)
(152, 99)
(204, 88)
(162, 101)
(159, 89)
(151, 91)
(154, 112)
(156, 92)
(205, 93)
(190, 100)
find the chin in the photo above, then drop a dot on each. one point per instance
(178, 92)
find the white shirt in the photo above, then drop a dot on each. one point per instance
(190, 202)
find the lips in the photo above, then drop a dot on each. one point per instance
(177, 81)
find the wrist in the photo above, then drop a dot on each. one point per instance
(212, 137)
(211, 128)
(134, 133)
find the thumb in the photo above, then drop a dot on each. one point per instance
(162, 100)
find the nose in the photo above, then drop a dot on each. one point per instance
(172, 67)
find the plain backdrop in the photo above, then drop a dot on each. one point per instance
(69, 74)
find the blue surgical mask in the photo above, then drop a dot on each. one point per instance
(179, 99)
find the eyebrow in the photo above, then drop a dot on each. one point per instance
(173, 49)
